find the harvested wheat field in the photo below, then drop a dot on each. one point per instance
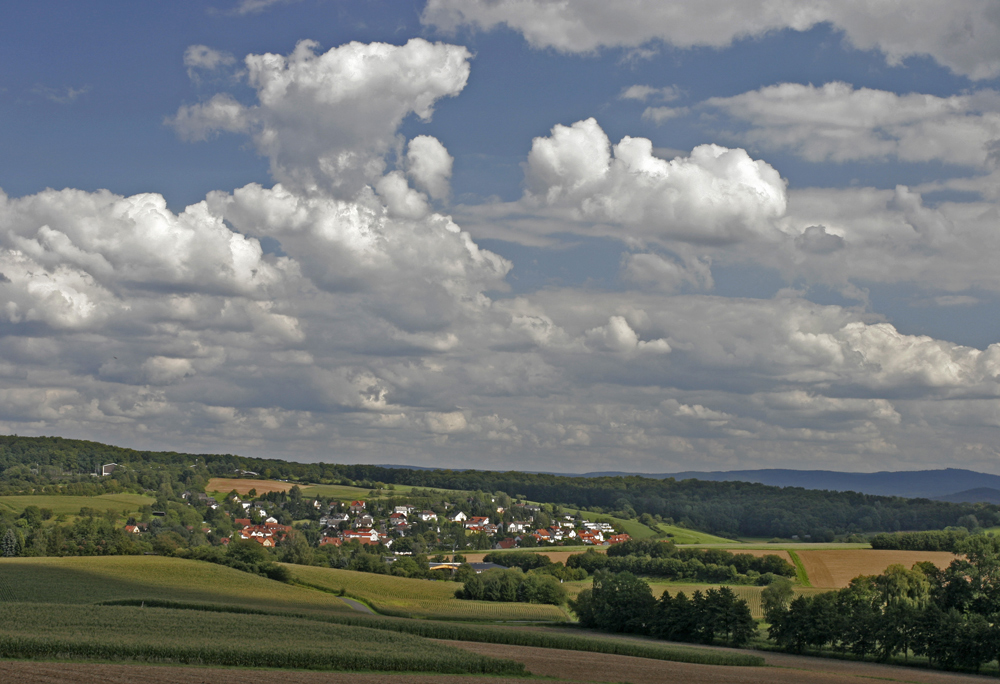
(576, 666)
(242, 487)
(556, 556)
(834, 569)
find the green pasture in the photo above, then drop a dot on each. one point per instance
(94, 579)
(682, 535)
(71, 505)
(418, 598)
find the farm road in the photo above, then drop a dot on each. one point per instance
(357, 605)
(578, 666)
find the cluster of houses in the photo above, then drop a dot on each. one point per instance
(342, 524)
(362, 527)
(267, 534)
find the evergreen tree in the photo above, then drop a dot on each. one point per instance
(9, 546)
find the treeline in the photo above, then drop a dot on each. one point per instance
(529, 561)
(933, 540)
(663, 559)
(624, 603)
(726, 508)
(949, 616)
(513, 585)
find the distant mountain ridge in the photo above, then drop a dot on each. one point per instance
(928, 484)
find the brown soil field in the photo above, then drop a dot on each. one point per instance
(226, 485)
(579, 666)
(834, 569)
(559, 556)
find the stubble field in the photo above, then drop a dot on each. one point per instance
(834, 569)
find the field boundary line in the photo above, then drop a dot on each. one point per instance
(800, 569)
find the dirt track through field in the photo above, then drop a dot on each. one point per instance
(578, 666)
(834, 569)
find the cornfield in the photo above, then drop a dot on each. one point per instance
(513, 636)
(244, 640)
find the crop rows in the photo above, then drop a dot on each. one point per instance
(247, 640)
(104, 578)
(506, 635)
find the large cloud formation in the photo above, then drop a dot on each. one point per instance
(837, 122)
(340, 314)
(963, 35)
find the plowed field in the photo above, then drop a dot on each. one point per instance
(834, 569)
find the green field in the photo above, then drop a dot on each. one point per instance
(405, 597)
(157, 634)
(71, 505)
(682, 535)
(81, 580)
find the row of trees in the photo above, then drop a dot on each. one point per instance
(663, 559)
(951, 616)
(622, 602)
(511, 585)
(931, 540)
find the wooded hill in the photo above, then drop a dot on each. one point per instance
(728, 509)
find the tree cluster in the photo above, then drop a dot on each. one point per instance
(951, 616)
(663, 559)
(622, 602)
(511, 585)
(931, 540)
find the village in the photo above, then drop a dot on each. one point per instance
(446, 523)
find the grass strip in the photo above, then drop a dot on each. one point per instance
(491, 635)
(800, 569)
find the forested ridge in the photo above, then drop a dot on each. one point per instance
(724, 508)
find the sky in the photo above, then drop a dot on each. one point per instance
(644, 236)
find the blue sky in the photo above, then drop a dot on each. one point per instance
(517, 234)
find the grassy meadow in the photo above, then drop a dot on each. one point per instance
(71, 505)
(417, 598)
(93, 579)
